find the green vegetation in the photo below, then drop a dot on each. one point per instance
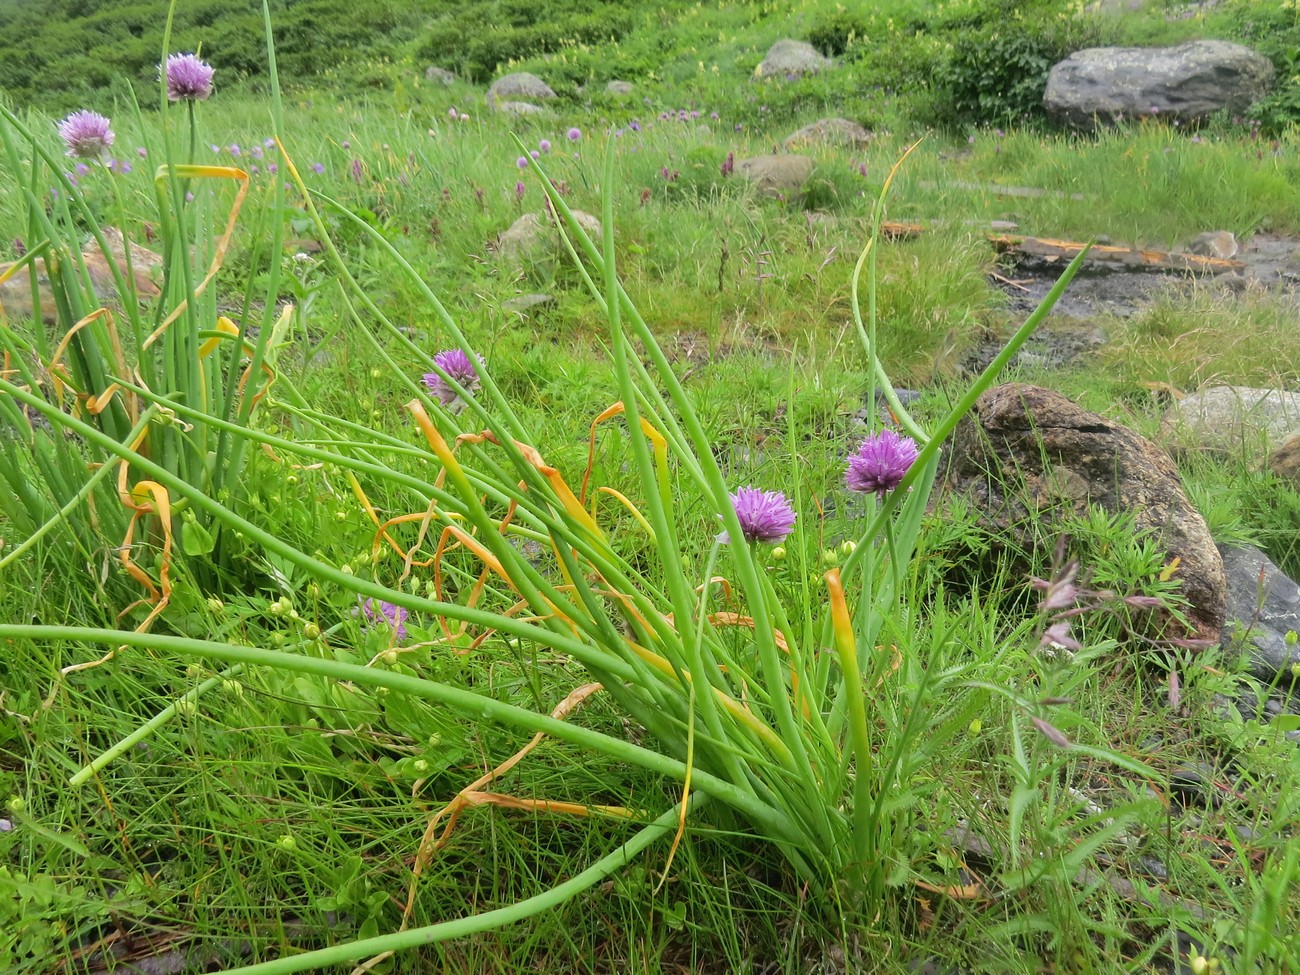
(249, 774)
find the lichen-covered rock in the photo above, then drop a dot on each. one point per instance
(519, 85)
(617, 87)
(440, 75)
(831, 131)
(1184, 83)
(533, 239)
(780, 175)
(1229, 418)
(1026, 455)
(791, 59)
(1285, 461)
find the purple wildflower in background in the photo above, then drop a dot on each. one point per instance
(544, 145)
(235, 150)
(634, 125)
(142, 152)
(880, 463)
(317, 168)
(393, 616)
(575, 134)
(86, 134)
(456, 364)
(188, 78)
(522, 162)
(345, 144)
(520, 190)
(452, 113)
(119, 166)
(356, 170)
(765, 516)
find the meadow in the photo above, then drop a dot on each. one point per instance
(360, 616)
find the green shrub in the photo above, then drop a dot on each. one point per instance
(834, 33)
(997, 66)
(1274, 31)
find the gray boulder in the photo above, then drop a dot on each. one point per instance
(1228, 418)
(442, 75)
(782, 175)
(519, 85)
(519, 109)
(1186, 83)
(1027, 455)
(533, 240)
(618, 88)
(1263, 607)
(831, 131)
(790, 59)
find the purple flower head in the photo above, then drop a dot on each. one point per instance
(634, 125)
(880, 463)
(522, 162)
(268, 142)
(452, 113)
(387, 614)
(345, 144)
(520, 190)
(575, 134)
(235, 150)
(765, 516)
(544, 145)
(456, 364)
(142, 152)
(318, 168)
(81, 169)
(86, 134)
(356, 170)
(188, 78)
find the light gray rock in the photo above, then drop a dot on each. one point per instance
(1188, 82)
(1228, 418)
(520, 109)
(782, 175)
(533, 240)
(787, 59)
(1215, 243)
(527, 304)
(831, 131)
(519, 85)
(1263, 606)
(441, 75)
(617, 87)
(1026, 455)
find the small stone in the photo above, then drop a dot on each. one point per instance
(528, 303)
(440, 75)
(1215, 243)
(617, 87)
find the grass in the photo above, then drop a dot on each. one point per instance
(282, 809)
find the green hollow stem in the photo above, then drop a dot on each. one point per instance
(775, 824)
(112, 753)
(605, 867)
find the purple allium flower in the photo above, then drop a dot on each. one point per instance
(634, 125)
(765, 516)
(81, 169)
(880, 463)
(456, 364)
(256, 152)
(86, 134)
(272, 168)
(142, 152)
(534, 153)
(268, 142)
(522, 162)
(356, 170)
(345, 144)
(520, 190)
(235, 150)
(120, 166)
(544, 145)
(452, 113)
(575, 134)
(187, 77)
(317, 168)
(393, 616)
